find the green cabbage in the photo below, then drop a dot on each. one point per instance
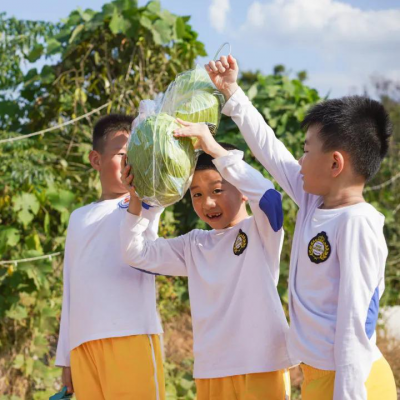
(194, 98)
(161, 164)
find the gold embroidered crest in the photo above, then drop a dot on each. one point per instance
(240, 243)
(319, 248)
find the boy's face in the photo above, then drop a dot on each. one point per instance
(216, 201)
(108, 163)
(316, 165)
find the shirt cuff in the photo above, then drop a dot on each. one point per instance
(237, 98)
(232, 157)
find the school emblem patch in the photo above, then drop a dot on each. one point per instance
(240, 243)
(319, 248)
(124, 203)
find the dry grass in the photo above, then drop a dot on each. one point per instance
(178, 341)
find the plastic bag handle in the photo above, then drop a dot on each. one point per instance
(219, 50)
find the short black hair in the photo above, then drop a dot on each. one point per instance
(205, 160)
(111, 123)
(358, 125)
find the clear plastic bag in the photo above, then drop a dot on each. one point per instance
(194, 98)
(162, 165)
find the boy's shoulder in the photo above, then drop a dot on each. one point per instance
(364, 214)
(98, 210)
(362, 210)
(80, 211)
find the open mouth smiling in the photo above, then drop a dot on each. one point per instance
(213, 215)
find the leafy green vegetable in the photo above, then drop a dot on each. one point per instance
(162, 165)
(194, 98)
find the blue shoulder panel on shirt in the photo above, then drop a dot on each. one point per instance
(271, 204)
(145, 206)
(146, 272)
(372, 316)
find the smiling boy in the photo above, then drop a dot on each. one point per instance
(239, 327)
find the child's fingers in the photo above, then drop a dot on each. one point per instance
(125, 170)
(212, 66)
(220, 67)
(232, 63)
(224, 62)
(123, 161)
(129, 179)
(182, 133)
(208, 69)
(184, 123)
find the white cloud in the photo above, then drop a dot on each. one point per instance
(217, 13)
(340, 45)
(316, 23)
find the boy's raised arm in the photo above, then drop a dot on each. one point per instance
(268, 150)
(265, 203)
(139, 244)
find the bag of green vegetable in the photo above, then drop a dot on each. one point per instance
(162, 165)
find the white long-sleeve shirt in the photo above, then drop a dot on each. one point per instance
(336, 270)
(103, 297)
(239, 326)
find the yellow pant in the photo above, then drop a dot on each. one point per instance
(263, 386)
(319, 384)
(121, 368)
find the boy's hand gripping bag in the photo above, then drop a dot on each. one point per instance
(162, 165)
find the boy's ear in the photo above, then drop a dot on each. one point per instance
(95, 159)
(337, 163)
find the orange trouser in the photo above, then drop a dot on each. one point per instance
(121, 368)
(262, 386)
(318, 384)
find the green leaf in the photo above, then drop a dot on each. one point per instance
(252, 91)
(9, 237)
(124, 5)
(18, 361)
(76, 32)
(17, 313)
(27, 206)
(180, 28)
(60, 200)
(35, 53)
(118, 23)
(53, 46)
(146, 22)
(80, 95)
(47, 74)
(97, 58)
(154, 7)
(161, 32)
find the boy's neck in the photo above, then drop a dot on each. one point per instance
(343, 197)
(111, 196)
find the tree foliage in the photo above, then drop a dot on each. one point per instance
(50, 73)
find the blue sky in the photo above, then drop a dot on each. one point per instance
(341, 43)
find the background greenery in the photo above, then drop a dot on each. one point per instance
(50, 73)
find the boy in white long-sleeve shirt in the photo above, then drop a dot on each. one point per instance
(339, 250)
(109, 335)
(239, 327)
